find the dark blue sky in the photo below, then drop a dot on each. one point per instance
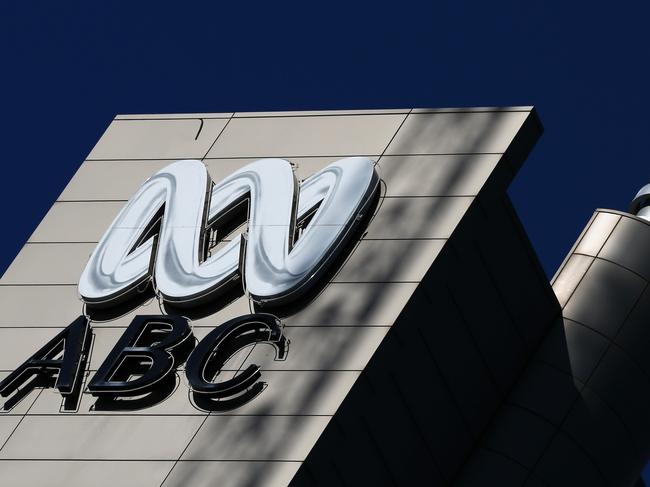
(69, 67)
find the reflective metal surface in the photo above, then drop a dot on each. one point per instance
(640, 205)
(277, 264)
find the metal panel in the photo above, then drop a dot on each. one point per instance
(634, 337)
(439, 175)
(56, 263)
(36, 473)
(589, 348)
(627, 246)
(62, 263)
(76, 222)
(410, 218)
(569, 276)
(7, 426)
(312, 348)
(341, 304)
(604, 297)
(566, 463)
(101, 437)
(18, 344)
(520, 435)
(434, 217)
(457, 133)
(289, 392)
(231, 474)
(344, 304)
(389, 261)
(55, 305)
(158, 139)
(119, 180)
(306, 136)
(286, 438)
(109, 180)
(597, 233)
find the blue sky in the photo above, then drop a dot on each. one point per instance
(69, 67)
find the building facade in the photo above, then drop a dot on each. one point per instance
(423, 344)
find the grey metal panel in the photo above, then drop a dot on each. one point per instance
(444, 335)
(62, 263)
(57, 263)
(634, 336)
(119, 179)
(23, 406)
(300, 392)
(312, 348)
(7, 426)
(609, 444)
(231, 474)
(322, 348)
(625, 388)
(457, 133)
(569, 276)
(39, 305)
(597, 233)
(410, 218)
(500, 344)
(389, 261)
(344, 304)
(340, 304)
(306, 136)
(628, 246)
(509, 472)
(35, 473)
(535, 482)
(520, 435)
(76, 222)
(286, 438)
(101, 437)
(604, 297)
(510, 258)
(157, 139)
(566, 464)
(438, 175)
(434, 217)
(409, 398)
(546, 391)
(109, 180)
(177, 404)
(303, 166)
(587, 347)
(18, 344)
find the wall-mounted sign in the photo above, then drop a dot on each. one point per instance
(166, 237)
(294, 230)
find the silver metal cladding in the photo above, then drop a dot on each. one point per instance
(278, 264)
(640, 205)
